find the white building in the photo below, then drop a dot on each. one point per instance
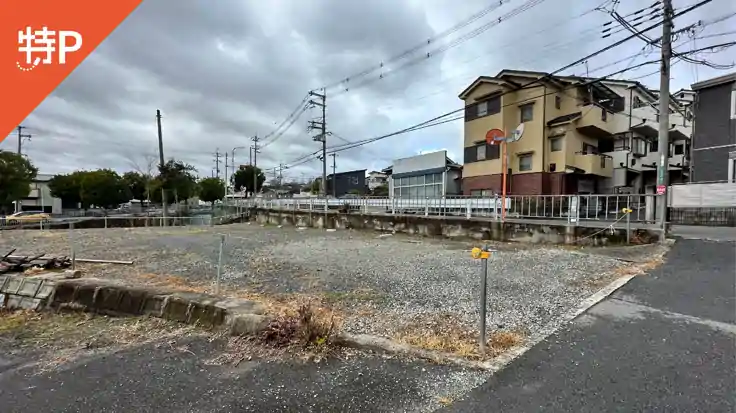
(376, 179)
(428, 175)
(635, 147)
(39, 197)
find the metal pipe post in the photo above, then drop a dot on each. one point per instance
(219, 265)
(72, 246)
(483, 298)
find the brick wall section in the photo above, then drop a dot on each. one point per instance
(539, 183)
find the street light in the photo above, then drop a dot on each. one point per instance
(232, 158)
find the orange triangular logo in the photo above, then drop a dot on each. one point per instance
(42, 42)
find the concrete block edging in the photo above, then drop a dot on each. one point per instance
(238, 316)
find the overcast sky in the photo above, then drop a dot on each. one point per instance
(222, 71)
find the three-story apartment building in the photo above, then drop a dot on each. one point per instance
(714, 141)
(580, 135)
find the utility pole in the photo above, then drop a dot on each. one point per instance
(225, 175)
(281, 176)
(21, 136)
(217, 162)
(664, 116)
(255, 159)
(164, 208)
(334, 169)
(321, 125)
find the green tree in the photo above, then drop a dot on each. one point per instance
(314, 186)
(381, 190)
(103, 188)
(243, 179)
(177, 179)
(67, 187)
(16, 175)
(211, 190)
(136, 185)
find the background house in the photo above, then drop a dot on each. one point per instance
(376, 179)
(39, 197)
(427, 175)
(714, 140)
(343, 183)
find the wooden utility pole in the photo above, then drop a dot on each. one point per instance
(217, 163)
(164, 208)
(664, 117)
(21, 136)
(255, 140)
(321, 125)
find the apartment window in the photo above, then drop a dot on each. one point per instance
(525, 162)
(679, 149)
(480, 152)
(478, 193)
(555, 144)
(589, 149)
(493, 152)
(620, 143)
(638, 146)
(527, 112)
(482, 109)
(558, 102)
(638, 102)
(654, 146)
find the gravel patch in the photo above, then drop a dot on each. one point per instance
(383, 285)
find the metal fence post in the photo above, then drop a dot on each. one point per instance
(72, 246)
(483, 254)
(105, 221)
(219, 264)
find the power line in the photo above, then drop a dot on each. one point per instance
(470, 35)
(432, 121)
(471, 19)
(438, 120)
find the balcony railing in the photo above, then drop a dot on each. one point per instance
(595, 164)
(595, 122)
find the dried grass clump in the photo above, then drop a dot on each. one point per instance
(308, 326)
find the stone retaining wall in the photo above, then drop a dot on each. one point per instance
(451, 227)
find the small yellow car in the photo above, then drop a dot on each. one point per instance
(27, 217)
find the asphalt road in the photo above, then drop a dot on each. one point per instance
(157, 378)
(664, 342)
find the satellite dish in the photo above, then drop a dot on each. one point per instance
(517, 133)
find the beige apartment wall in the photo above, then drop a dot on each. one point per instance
(534, 130)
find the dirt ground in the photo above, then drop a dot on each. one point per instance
(407, 288)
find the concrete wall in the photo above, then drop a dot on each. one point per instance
(448, 227)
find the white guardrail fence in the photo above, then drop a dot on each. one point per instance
(567, 207)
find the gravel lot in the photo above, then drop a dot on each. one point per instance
(384, 285)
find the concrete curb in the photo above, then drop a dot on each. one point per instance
(385, 345)
(56, 291)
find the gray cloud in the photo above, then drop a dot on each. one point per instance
(223, 71)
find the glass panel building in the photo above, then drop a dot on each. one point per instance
(430, 175)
